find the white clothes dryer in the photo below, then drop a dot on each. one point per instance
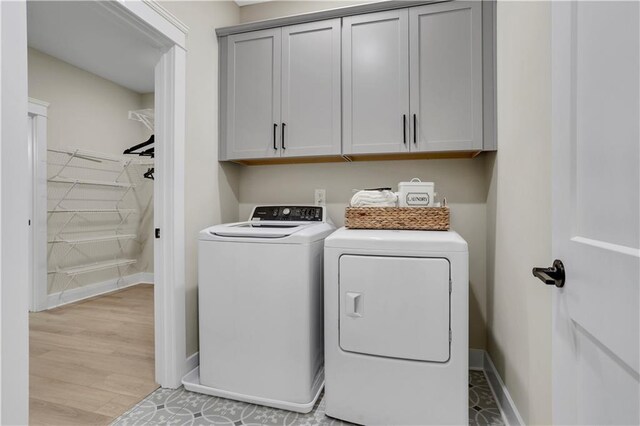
(396, 327)
(260, 308)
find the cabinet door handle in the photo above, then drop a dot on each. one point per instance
(283, 126)
(275, 130)
(404, 128)
(415, 140)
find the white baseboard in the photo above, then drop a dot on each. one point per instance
(480, 360)
(76, 294)
(476, 359)
(192, 362)
(145, 277)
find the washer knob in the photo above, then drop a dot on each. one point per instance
(286, 211)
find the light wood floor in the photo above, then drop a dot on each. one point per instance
(93, 360)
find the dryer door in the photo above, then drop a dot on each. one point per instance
(395, 307)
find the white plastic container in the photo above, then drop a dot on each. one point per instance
(416, 193)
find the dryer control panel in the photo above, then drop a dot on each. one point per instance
(288, 213)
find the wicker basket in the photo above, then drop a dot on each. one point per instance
(416, 218)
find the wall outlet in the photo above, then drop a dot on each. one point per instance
(320, 197)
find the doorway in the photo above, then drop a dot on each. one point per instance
(166, 36)
(92, 318)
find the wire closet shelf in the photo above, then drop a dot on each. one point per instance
(98, 212)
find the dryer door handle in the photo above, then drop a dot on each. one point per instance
(354, 304)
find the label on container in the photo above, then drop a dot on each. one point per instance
(417, 199)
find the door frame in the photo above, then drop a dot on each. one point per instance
(37, 160)
(168, 34)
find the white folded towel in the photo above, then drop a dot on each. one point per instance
(382, 198)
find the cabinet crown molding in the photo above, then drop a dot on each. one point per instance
(322, 15)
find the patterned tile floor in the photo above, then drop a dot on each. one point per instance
(181, 407)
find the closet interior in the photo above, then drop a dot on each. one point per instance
(99, 216)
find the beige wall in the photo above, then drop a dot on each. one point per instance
(89, 112)
(461, 181)
(210, 187)
(86, 110)
(277, 9)
(519, 213)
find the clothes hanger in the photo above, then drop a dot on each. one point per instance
(139, 146)
(149, 173)
(148, 152)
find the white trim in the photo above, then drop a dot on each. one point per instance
(192, 362)
(146, 278)
(507, 406)
(86, 292)
(38, 107)
(476, 359)
(14, 200)
(2, 313)
(161, 10)
(169, 250)
(38, 111)
(152, 20)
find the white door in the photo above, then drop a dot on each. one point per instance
(596, 213)
(311, 122)
(253, 94)
(375, 82)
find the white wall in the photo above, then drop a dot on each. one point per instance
(211, 187)
(519, 210)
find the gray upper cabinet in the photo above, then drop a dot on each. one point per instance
(356, 81)
(282, 92)
(375, 73)
(311, 89)
(445, 51)
(253, 94)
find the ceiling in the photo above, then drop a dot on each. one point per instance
(91, 37)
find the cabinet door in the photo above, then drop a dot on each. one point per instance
(375, 82)
(446, 76)
(253, 94)
(311, 89)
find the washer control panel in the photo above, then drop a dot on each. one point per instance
(288, 213)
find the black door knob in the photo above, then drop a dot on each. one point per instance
(551, 276)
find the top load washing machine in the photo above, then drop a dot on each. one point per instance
(396, 327)
(260, 308)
